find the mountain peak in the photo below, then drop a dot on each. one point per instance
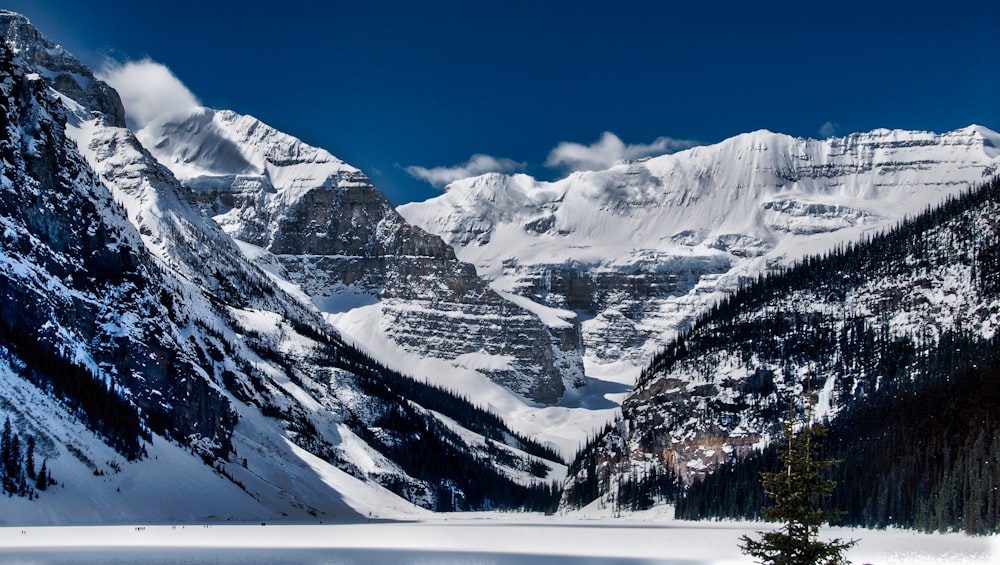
(689, 226)
(990, 139)
(61, 69)
(203, 142)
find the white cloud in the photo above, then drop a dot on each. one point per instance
(476, 165)
(829, 129)
(148, 89)
(608, 150)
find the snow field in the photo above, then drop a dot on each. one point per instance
(490, 538)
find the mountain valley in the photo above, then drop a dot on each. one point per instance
(207, 319)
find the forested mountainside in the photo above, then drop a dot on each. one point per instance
(897, 336)
(917, 454)
(135, 330)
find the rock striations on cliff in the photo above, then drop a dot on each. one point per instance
(337, 238)
(641, 249)
(163, 375)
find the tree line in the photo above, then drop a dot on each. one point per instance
(95, 400)
(18, 473)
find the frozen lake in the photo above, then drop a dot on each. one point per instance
(458, 539)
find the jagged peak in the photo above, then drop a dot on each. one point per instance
(61, 70)
(37, 50)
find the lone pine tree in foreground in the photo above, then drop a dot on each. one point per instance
(797, 491)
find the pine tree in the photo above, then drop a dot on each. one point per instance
(5, 447)
(797, 491)
(29, 458)
(42, 481)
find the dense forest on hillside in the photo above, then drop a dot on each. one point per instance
(964, 230)
(98, 404)
(919, 454)
(429, 450)
(900, 331)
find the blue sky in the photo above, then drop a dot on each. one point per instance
(440, 89)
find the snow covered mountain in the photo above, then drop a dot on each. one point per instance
(148, 358)
(635, 252)
(324, 227)
(905, 323)
(214, 309)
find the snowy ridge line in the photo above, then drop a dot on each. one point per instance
(327, 230)
(863, 324)
(242, 383)
(713, 215)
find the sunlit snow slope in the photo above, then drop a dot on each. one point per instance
(639, 249)
(163, 375)
(321, 224)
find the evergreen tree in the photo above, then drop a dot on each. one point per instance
(29, 458)
(797, 491)
(42, 481)
(5, 447)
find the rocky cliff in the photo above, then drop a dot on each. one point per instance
(338, 239)
(135, 329)
(640, 249)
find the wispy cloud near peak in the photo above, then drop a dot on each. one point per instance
(829, 129)
(608, 150)
(477, 164)
(148, 89)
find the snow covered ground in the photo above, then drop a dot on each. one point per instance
(468, 538)
(565, 426)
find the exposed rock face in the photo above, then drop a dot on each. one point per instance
(335, 234)
(878, 319)
(74, 276)
(641, 249)
(106, 266)
(622, 305)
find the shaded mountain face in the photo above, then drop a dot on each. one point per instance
(77, 278)
(640, 249)
(870, 321)
(337, 238)
(116, 291)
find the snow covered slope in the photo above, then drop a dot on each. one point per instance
(912, 312)
(141, 328)
(332, 233)
(639, 249)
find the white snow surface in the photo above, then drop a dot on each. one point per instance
(206, 142)
(479, 538)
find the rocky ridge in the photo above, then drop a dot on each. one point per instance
(640, 249)
(873, 318)
(108, 271)
(337, 237)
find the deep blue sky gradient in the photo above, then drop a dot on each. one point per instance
(384, 85)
